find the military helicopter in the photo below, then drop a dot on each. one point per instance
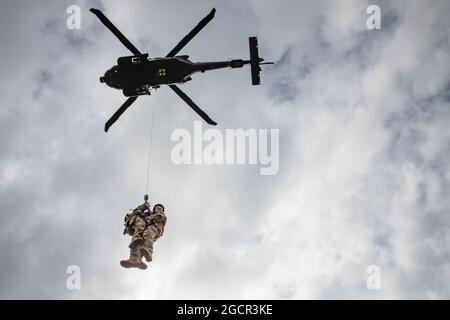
(135, 75)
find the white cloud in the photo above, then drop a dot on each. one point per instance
(364, 144)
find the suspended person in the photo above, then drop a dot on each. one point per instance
(145, 227)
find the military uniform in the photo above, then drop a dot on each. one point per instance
(145, 229)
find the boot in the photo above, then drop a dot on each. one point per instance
(133, 263)
(146, 254)
(142, 265)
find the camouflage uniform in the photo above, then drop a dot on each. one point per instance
(145, 227)
(148, 230)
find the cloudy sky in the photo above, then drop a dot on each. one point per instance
(364, 146)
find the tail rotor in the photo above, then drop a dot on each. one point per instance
(255, 61)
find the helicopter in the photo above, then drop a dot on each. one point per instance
(135, 75)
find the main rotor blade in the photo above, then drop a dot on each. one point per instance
(191, 103)
(116, 31)
(119, 112)
(192, 34)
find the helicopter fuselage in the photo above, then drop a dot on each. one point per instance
(135, 75)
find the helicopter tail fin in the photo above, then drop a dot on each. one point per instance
(255, 60)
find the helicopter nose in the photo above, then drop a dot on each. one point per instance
(102, 80)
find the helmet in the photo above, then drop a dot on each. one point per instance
(158, 205)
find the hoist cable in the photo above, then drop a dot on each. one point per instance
(150, 148)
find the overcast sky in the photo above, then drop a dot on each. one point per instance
(364, 174)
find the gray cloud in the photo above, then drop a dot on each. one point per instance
(364, 178)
